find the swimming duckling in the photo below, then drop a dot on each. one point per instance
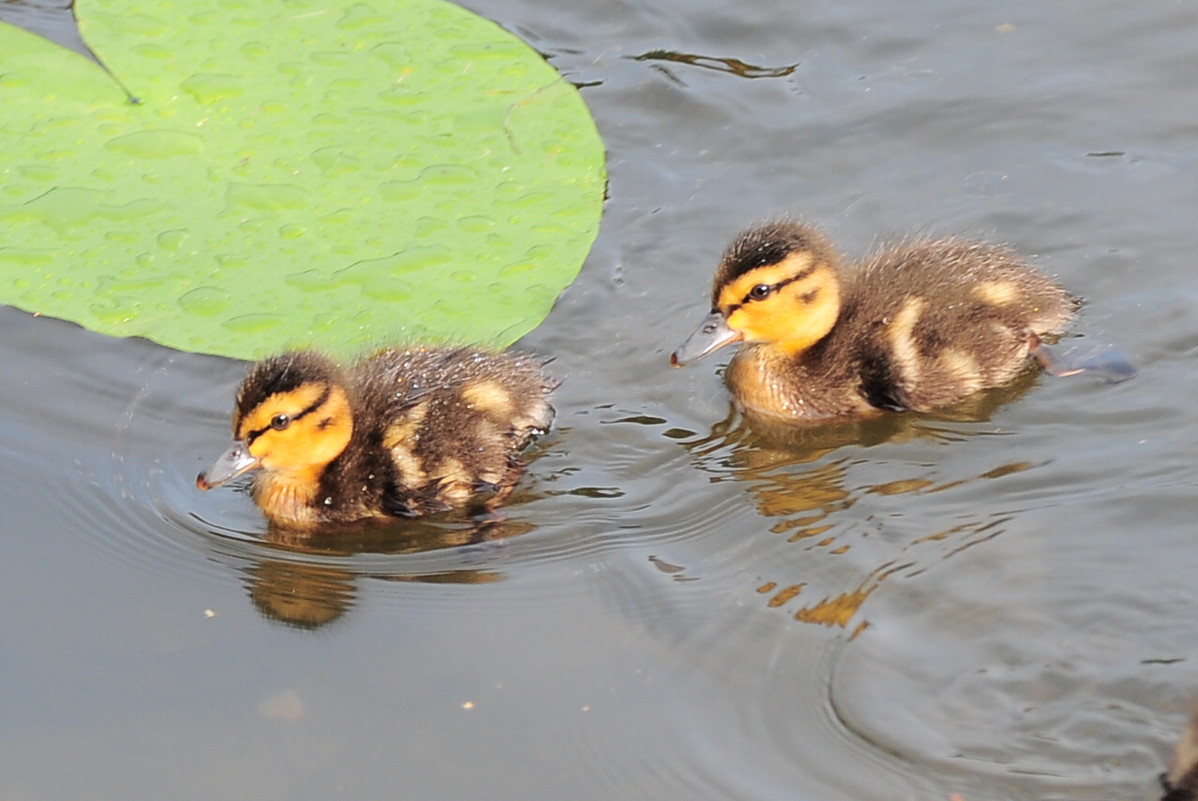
(402, 433)
(917, 326)
(1181, 782)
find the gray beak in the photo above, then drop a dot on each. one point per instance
(712, 334)
(232, 463)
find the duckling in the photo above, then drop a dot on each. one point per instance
(917, 326)
(402, 433)
(1181, 782)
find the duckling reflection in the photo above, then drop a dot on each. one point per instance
(309, 596)
(304, 596)
(318, 585)
(805, 492)
(440, 532)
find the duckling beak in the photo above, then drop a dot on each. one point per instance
(232, 463)
(712, 334)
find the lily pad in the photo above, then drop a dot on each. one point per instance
(342, 175)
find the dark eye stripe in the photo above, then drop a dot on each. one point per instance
(772, 289)
(799, 276)
(313, 406)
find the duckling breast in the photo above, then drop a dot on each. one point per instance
(817, 385)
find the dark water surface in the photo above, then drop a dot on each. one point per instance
(996, 604)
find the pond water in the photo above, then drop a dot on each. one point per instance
(987, 605)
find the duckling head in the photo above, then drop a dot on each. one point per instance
(291, 418)
(777, 284)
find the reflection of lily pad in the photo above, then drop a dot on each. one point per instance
(297, 173)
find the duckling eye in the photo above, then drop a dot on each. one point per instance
(760, 292)
(280, 421)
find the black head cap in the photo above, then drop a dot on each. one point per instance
(283, 373)
(768, 244)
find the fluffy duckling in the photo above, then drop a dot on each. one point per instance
(1181, 782)
(402, 433)
(917, 326)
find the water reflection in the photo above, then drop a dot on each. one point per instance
(733, 66)
(308, 596)
(794, 479)
(307, 580)
(303, 596)
(435, 533)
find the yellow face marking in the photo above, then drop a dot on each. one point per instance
(489, 397)
(793, 317)
(312, 438)
(901, 334)
(736, 292)
(289, 403)
(996, 293)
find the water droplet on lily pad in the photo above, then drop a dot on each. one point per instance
(205, 301)
(297, 173)
(157, 144)
(209, 88)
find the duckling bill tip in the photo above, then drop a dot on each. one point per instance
(232, 463)
(711, 335)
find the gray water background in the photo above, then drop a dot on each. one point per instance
(998, 608)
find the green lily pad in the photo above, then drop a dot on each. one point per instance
(301, 173)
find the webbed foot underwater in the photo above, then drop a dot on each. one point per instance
(918, 326)
(402, 433)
